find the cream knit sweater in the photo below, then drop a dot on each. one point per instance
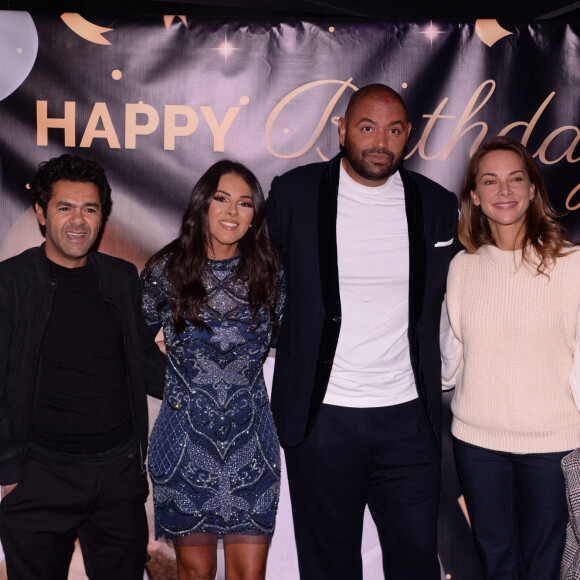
(510, 351)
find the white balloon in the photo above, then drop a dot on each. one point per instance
(18, 49)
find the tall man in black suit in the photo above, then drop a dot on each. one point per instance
(357, 391)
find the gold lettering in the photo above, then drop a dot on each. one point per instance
(100, 113)
(427, 131)
(132, 129)
(172, 130)
(44, 123)
(219, 131)
(530, 126)
(569, 199)
(541, 152)
(343, 85)
(470, 111)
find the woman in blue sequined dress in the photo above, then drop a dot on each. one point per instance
(214, 456)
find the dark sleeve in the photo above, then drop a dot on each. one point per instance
(10, 453)
(457, 246)
(274, 217)
(153, 359)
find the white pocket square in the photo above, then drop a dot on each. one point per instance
(443, 244)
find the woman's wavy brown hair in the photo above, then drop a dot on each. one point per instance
(188, 253)
(542, 231)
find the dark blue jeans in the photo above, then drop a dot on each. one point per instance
(517, 508)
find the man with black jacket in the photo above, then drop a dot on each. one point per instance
(356, 394)
(76, 361)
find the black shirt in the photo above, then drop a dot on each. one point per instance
(82, 401)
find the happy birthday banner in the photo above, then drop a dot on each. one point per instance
(157, 100)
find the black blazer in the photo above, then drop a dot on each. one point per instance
(302, 208)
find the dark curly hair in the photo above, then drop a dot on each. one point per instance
(70, 168)
(188, 252)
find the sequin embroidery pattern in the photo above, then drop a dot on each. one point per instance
(214, 456)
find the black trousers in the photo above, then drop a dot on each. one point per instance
(381, 457)
(55, 503)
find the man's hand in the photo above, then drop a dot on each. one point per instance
(6, 489)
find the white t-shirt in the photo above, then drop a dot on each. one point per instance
(372, 366)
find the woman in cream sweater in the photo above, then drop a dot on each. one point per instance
(509, 346)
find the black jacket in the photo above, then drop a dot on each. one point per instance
(302, 208)
(26, 295)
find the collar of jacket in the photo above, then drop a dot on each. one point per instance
(327, 252)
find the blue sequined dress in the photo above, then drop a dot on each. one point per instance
(214, 456)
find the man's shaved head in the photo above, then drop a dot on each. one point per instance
(373, 90)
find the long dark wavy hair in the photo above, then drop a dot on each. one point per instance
(188, 253)
(541, 229)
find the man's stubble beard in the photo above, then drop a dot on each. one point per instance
(365, 169)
